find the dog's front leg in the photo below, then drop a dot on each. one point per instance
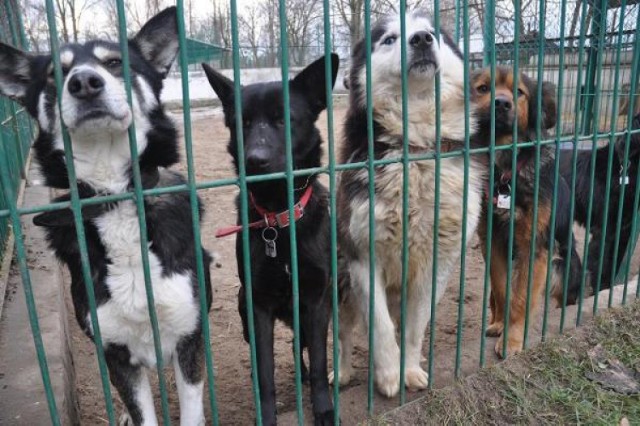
(315, 323)
(385, 348)
(418, 316)
(264, 322)
(188, 366)
(132, 384)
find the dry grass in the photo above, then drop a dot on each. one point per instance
(545, 385)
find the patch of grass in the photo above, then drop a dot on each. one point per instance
(544, 385)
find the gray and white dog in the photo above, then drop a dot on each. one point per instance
(427, 56)
(95, 111)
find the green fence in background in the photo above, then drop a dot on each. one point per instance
(595, 71)
(15, 124)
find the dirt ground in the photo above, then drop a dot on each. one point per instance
(231, 353)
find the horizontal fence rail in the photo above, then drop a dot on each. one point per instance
(590, 51)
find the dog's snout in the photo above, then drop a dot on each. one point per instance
(257, 159)
(503, 104)
(85, 85)
(421, 39)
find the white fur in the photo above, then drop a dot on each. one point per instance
(388, 208)
(124, 319)
(190, 396)
(101, 147)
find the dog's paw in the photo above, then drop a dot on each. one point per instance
(514, 346)
(416, 378)
(125, 420)
(344, 373)
(323, 419)
(388, 381)
(495, 329)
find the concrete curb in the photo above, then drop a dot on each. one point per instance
(22, 395)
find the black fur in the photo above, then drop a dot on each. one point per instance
(262, 113)
(598, 221)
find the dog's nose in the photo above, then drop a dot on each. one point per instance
(85, 85)
(257, 159)
(421, 39)
(503, 104)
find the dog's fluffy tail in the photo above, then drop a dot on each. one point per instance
(560, 263)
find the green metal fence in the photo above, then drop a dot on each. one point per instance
(588, 106)
(14, 123)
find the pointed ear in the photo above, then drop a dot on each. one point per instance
(157, 40)
(221, 85)
(15, 72)
(311, 82)
(548, 105)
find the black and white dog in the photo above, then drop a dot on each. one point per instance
(427, 55)
(95, 111)
(264, 138)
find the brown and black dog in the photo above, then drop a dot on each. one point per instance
(524, 106)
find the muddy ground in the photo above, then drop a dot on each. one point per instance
(231, 353)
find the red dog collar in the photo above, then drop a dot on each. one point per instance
(270, 219)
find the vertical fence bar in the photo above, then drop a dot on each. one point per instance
(333, 211)
(514, 180)
(614, 115)
(405, 197)
(372, 217)
(490, 59)
(465, 195)
(536, 182)
(195, 211)
(436, 205)
(142, 222)
(574, 155)
(77, 215)
(558, 134)
(10, 199)
(16, 42)
(595, 123)
(244, 208)
(284, 50)
(636, 197)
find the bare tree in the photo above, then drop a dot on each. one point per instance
(250, 29)
(300, 17)
(34, 18)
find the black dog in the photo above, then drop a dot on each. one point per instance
(263, 130)
(598, 221)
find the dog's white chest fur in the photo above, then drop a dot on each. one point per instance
(124, 319)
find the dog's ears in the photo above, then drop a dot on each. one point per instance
(157, 40)
(311, 82)
(548, 105)
(15, 72)
(220, 84)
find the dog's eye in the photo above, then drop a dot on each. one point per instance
(246, 122)
(483, 88)
(113, 63)
(520, 92)
(65, 71)
(389, 40)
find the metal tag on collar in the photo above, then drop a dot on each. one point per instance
(269, 236)
(504, 197)
(624, 180)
